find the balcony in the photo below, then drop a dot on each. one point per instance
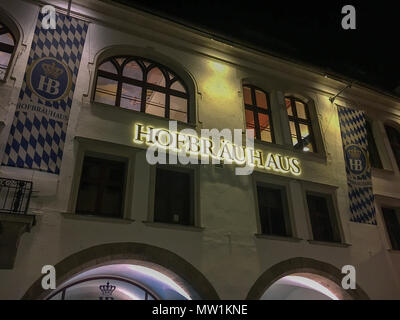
(15, 196)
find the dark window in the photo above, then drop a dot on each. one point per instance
(173, 201)
(258, 113)
(394, 139)
(142, 85)
(374, 158)
(300, 125)
(7, 45)
(322, 216)
(392, 221)
(101, 190)
(272, 206)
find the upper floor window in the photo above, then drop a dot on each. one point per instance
(273, 211)
(394, 139)
(7, 45)
(391, 216)
(374, 158)
(323, 219)
(142, 85)
(174, 197)
(258, 113)
(300, 125)
(101, 190)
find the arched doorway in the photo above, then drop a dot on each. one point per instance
(140, 271)
(121, 282)
(303, 279)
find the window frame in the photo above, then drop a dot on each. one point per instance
(193, 171)
(285, 207)
(371, 137)
(255, 110)
(144, 85)
(104, 158)
(297, 121)
(6, 48)
(335, 220)
(392, 148)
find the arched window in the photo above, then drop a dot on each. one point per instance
(300, 125)
(142, 85)
(258, 113)
(374, 157)
(394, 139)
(7, 46)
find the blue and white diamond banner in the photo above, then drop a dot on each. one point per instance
(40, 123)
(358, 169)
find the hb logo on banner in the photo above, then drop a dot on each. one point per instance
(37, 134)
(49, 79)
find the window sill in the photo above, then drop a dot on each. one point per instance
(148, 115)
(77, 216)
(380, 172)
(394, 251)
(277, 238)
(329, 244)
(172, 226)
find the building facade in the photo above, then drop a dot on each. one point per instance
(116, 226)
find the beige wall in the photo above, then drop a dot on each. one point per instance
(226, 249)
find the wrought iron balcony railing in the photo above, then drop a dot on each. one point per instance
(15, 195)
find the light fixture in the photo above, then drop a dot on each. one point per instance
(332, 99)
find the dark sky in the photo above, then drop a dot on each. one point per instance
(306, 31)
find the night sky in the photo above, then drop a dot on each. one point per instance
(306, 31)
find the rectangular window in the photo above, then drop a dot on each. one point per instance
(101, 190)
(273, 211)
(372, 149)
(323, 219)
(392, 221)
(174, 197)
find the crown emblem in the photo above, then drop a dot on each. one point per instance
(51, 70)
(355, 154)
(107, 291)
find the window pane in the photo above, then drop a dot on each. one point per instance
(261, 99)
(132, 70)
(155, 76)
(178, 109)
(4, 61)
(173, 197)
(120, 61)
(374, 157)
(247, 95)
(265, 127)
(178, 86)
(392, 222)
(301, 110)
(293, 132)
(323, 228)
(306, 137)
(108, 66)
(131, 97)
(101, 187)
(177, 103)
(106, 90)
(288, 107)
(250, 121)
(155, 103)
(394, 139)
(272, 211)
(7, 39)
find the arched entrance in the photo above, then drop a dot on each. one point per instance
(130, 271)
(303, 279)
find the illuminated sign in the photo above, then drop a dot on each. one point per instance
(206, 149)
